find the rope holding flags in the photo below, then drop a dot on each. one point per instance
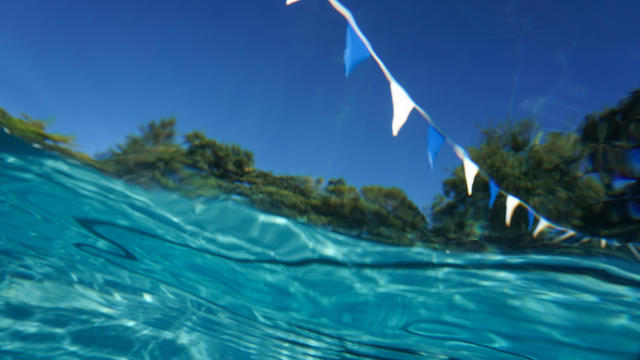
(358, 49)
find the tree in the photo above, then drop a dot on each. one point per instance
(228, 162)
(396, 203)
(543, 174)
(611, 149)
(551, 176)
(148, 159)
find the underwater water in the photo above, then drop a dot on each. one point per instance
(93, 268)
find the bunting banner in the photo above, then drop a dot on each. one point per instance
(358, 49)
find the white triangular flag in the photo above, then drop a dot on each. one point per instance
(512, 204)
(470, 168)
(470, 172)
(542, 224)
(289, 2)
(565, 236)
(402, 106)
(603, 243)
(585, 240)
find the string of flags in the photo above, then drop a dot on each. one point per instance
(358, 49)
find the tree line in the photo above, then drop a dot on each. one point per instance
(585, 179)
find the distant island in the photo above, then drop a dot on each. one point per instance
(586, 180)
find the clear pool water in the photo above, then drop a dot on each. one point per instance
(93, 268)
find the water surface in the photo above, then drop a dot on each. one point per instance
(93, 268)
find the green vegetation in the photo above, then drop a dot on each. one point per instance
(34, 132)
(568, 177)
(204, 167)
(571, 178)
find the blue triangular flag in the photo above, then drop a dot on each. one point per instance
(355, 51)
(493, 192)
(531, 218)
(434, 141)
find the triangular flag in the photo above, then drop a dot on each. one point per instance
(470, 168)
(289, 2)
(434, 142)
(355, 51)
(565, 236)
(470, 172)
(585, 240)
(512, 204)
(493, 192)
(543, 224)
(603, 243)
(402, 106)
(531, 218)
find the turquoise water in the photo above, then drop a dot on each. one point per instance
(93, 268)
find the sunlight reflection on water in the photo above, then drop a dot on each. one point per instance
(92, 267)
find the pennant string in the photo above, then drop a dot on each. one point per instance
(357, 51)
(351, 20)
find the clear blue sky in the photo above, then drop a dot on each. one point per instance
(270, 78)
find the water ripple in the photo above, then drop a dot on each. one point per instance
(93, 268)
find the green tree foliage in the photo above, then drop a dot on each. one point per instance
(206, 167)
(227, 162)
(32, 131)
(608, 137)
(570, 178)
(339, 188)
(150, 158)
(610, 141)
(402, 212)
(550, 175)
(35, 132)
